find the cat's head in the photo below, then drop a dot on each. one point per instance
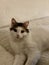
(19, 30)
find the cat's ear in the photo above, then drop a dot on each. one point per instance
(26, 23)
(13, 21)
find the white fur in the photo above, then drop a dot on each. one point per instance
(30, 44)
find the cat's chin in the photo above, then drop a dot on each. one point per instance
(18, 38)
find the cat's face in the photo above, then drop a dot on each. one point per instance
(19, 30)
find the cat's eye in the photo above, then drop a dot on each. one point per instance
(22, 31)
(15, 30)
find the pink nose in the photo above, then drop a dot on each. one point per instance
(17, 36)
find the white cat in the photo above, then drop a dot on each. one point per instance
(27, 44)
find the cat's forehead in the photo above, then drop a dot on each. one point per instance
(19, 28)
(18, 25)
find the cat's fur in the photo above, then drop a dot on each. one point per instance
(28, 45)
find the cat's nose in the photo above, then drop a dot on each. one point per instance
(17, 36)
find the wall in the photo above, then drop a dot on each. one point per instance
(22, 10)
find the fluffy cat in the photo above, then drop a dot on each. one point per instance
(28, 44)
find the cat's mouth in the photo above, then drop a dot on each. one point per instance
(18, 38)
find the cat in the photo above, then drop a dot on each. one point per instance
(28, 44)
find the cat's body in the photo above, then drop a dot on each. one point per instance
(41, 37)
(28, 45)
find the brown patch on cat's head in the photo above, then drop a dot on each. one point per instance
(15, 24)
